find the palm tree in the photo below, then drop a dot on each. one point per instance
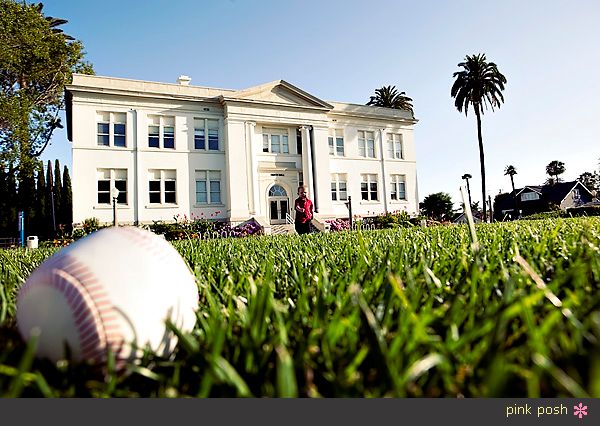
(389, 97)
(511, 171)
(479, 84)
(555, 168)
(466, 177)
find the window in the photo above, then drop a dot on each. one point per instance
(202, 128)
(530, 196)
(398, 183)
(366, 144)
(336, 142)
(339, 191)
(576, 194)
(368, 188)
(395, 146)
(111, 129)
(298, 141)
(109, 178)
(276, 141)
(208, 187)
(161, 129)
(162, 187)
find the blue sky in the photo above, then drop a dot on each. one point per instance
(344, 50)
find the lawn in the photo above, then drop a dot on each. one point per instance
(419, 312)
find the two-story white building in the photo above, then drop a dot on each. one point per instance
(178, 149)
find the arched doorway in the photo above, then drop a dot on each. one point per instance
(278, 204)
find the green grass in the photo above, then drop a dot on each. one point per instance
(403, 312)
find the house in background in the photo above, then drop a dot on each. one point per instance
(178, 149)
(537, 199)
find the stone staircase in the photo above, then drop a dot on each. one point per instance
(287, 228)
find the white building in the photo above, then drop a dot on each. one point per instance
(177, 149)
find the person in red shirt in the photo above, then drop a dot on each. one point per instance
(304, 211)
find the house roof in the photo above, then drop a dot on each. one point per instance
(555, 193)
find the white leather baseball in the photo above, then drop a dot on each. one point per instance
(112, 289)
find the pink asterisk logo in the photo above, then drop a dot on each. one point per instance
(580, 410)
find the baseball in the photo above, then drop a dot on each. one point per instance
(112, 289)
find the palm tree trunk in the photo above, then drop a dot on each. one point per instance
(512, 182)
(469, 192)
(481, 161)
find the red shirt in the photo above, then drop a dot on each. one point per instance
(304, 210)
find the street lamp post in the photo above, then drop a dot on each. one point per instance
(114, 193)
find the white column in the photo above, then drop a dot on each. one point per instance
(383, 171)
(254, 201)
(307, 170)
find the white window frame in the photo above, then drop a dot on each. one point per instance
(114, 118)
(364, 142)
(164, 121)
(530, 196)
(336, 142)
(268, 134)
(204, 124)
(396, 183)
(395, 146)
(209, 176)
(369, 179)
(114, 176)
(339, 181)
(165, 175)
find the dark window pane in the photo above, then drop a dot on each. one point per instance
(104, 185)
(170, 197)
(169, 142)
(154, 185)
(122, 198)
(119, 129)
(103, 140)
(120, 141)
(153, 141)
(273, 214)
(121, 185)
(169, 185)
(103, 128)
(155, 197)
(213, 140)
(103, 198)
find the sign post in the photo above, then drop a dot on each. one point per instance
(22, 228)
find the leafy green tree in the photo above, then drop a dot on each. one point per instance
(511, 171)
(466, 177)
(555, 168)
(37, 60)
(389, 97)
(66, 200)
(437, 206)
(478, 84)
(590, 180)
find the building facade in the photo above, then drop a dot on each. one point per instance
(175, 150)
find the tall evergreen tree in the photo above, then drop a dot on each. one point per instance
(57, 192)
(66, 200)
(41, 223)
(51, 212)
(8, 206)
(26, 199)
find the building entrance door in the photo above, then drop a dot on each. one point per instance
(279, 205)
